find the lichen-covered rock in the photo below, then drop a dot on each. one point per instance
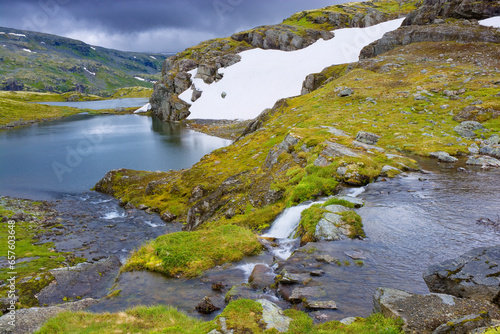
(424, 313)
(273, 317)
(491, 150)
(432, 10)
(429, 33)
(465, 324)
(331, 228)
(475, 274)
(466, 129)
(333, 150)
(483, 161)
(367, 137)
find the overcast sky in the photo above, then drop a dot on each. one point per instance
(154, 25)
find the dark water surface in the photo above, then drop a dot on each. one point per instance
(70, 155)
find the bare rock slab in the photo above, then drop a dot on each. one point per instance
(475, 274)
(425, 313)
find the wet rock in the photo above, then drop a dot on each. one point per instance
(273, 316)
(291, 278)
(321, 305)
(333, 150)
(217, 286)
(465, 324)
(205, 306)
(262, 277)
(168, 216)
(300, 294)
(326, 259)
(317, 273)
(474, 274)
(82, 281)
(424, 313)
(443, 156)
(241, 291)
(367, 137)
(483, 160)
(466, 129)
(31, 320)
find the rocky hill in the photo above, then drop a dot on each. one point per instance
(47, 63)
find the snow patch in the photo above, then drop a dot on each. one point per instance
(491, 22)
(19, 35)
(140, 79)
(92, 48)
(2, 33)
(144, 108)
(152, 57)
(42, 42)
(264, 76)
(27, 50)
(89, 72)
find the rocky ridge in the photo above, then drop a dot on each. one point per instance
(296, 32)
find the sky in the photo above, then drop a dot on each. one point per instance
(148, 26)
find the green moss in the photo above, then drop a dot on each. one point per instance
(339, 201)
(190, 253)
(308, 221)
(244, 316)
(355, 222)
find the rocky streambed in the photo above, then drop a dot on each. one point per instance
(411, 222)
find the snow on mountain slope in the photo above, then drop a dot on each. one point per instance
(264, 76)
(491, 22)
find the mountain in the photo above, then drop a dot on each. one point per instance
(35, 61)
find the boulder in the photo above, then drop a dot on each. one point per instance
(367, 137)
(491, 150)
(331, 228)
(475, 274)
(483, 161)
(262, 277)
(30, 320)
(443, 156)
(353, 200)
(205, 306)
(301, 293)
(425, 313)
(333, 150)
(168, 216)
(465, 324)
(466, 129)
(273, 316)
(320, 305)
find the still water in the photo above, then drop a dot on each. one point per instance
(70, 155)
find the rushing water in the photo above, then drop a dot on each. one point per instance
(70, 155)
(103, 104)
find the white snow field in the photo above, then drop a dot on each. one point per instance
(491, 22)
(264, 76)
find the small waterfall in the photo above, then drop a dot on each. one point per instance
(284, 228)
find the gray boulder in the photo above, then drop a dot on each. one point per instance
(491, 150)
(273, 316)
(333, 150)
(443, 156)
(367, 137)
(475, 274)
(327, 230)
(466, 129)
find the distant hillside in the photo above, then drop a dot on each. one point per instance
(42, 62)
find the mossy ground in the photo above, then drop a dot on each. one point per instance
(243, 316)
(32, 275)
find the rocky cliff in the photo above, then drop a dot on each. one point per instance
(296, 32)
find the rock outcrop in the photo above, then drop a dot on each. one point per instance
(426, 313)
(475, 274)
(432, 10)
(456, 32)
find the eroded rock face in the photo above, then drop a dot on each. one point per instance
(475, 274)
(429, 33)
(431, 10)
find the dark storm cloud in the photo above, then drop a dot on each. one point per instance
(148, 25)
